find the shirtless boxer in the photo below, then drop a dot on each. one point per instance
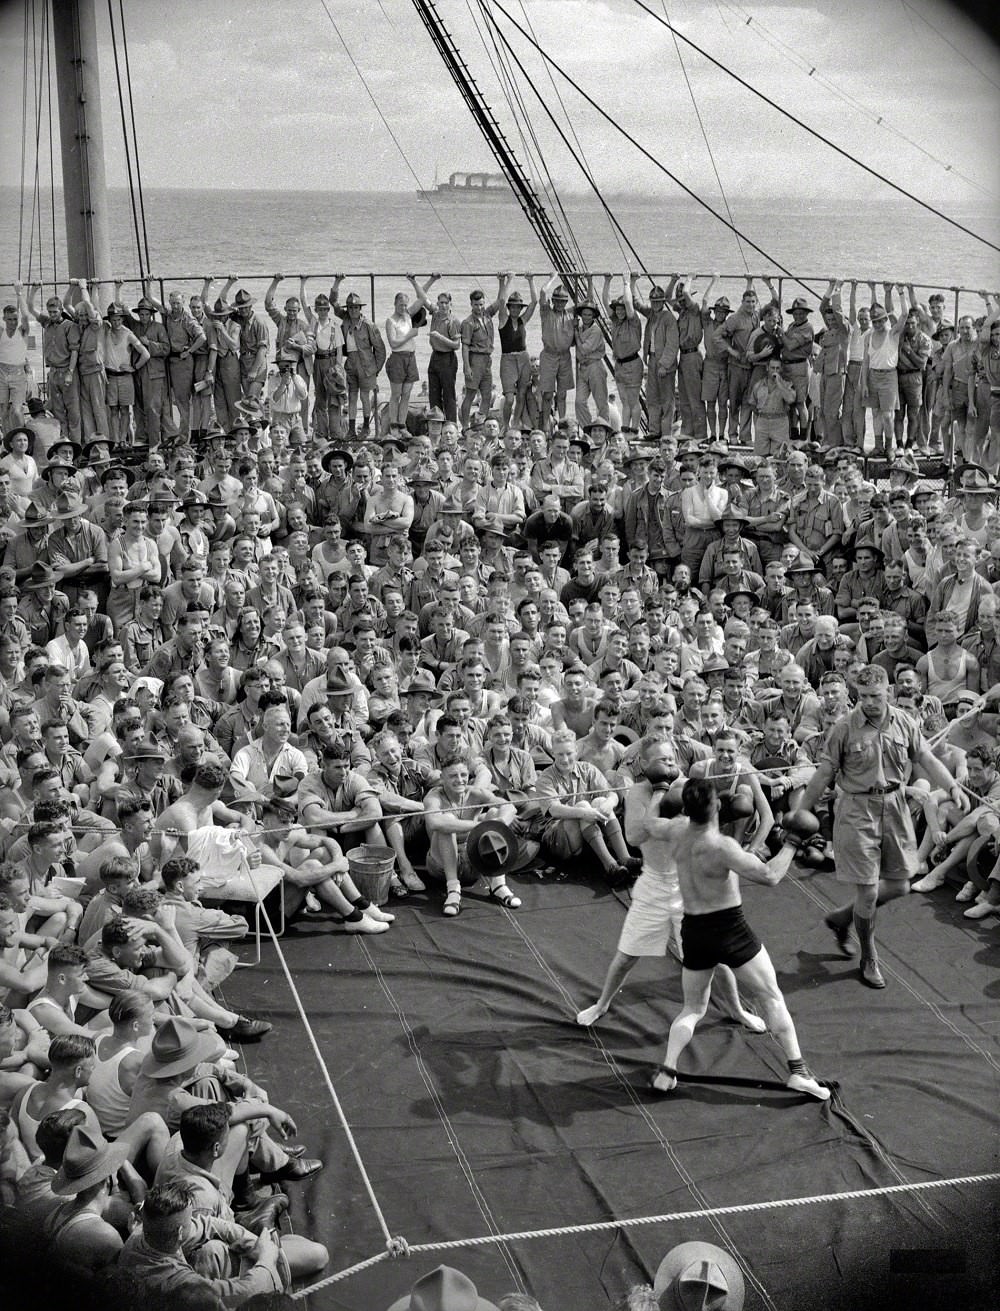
(653, 922)
(714, 931)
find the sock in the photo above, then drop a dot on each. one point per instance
(359, 902)
(798, 1066)
(353, 918)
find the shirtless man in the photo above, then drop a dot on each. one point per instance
(653, 922)
(714, 931)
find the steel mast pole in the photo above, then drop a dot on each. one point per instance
(81, 136)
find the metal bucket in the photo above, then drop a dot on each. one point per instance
(371, 869)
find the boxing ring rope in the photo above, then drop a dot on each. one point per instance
(601, 1226)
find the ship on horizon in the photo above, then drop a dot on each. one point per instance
(469, 186)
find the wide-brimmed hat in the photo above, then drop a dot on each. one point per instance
(57, 466)
(422, 683)
(584, 445)
(30, 433)
(734, 512)
(33, 518)
(451, 505)
(115, 307)
(422, 478)
(88, 448)
(147, 749)
(144, 303)
(435, 415)
(490, 523)
(870, 546)
(515, 298)
(63, 444)
(353, 299)
(740, 591)
(805, 564)
(598, 423)
(491, 846)
(444, 1289)
(906, 463)
(39, 575)
(216, 500)
(68, 505)
(728, 461)
(178, 1047)
(117, 471)
(971, 476)
(337, 453)
(722, 304)
(243, 298)
(977, 484)
(338, 685)
(699, 1277)
(88, 1159)
(560, 293)
(799, 303)
(586, 305)
(639, 455)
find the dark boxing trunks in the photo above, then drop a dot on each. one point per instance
(722, 937)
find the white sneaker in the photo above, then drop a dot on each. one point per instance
(929, 883)
(968, 893)
(365, 925)
(377, 913)
(982, 910)
(805, 1083)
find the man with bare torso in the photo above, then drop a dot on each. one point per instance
(714, 931)
(653, 922)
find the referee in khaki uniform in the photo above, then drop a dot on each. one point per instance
(870, 753)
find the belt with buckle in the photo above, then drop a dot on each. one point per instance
(627, 359)
(689, 350)
(877, 791)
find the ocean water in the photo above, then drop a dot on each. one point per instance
(252, 233)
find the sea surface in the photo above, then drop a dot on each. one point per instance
(254, 233)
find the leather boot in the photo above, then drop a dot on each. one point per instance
(871, 974)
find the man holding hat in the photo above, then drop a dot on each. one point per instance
(699, 1277)
(869, 754)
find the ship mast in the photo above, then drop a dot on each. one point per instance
(521, 185)
(81, 136)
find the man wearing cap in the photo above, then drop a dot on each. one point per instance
(364, 356)
(123, 353)
(42, 606)
(591, 374)
(869, 755)
(60, 352)
(515, 362)
(78, 549)
(715, 369)
(555, 363)
(796, 353)
(254, 338)
(153, 418)
(735, 335)
(660, 349)
(626, 347)
(478, 339)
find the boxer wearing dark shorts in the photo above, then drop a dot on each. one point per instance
(722, 937)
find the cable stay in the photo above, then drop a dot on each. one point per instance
(388, 127)
(128, 149)
(648, 155)
(704, 133)
(753, 24)
(135, 139)
(951, 45)
(813, 132)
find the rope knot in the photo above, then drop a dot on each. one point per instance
(397, 1247)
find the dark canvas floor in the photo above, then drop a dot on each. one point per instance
(479, 1107)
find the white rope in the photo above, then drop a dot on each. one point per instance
(601, 1226)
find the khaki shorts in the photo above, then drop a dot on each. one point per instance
(883, 390)
(402, 367)
(555, 372)
(121, 391)
(515, 371)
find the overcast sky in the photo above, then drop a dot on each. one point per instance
(262, 94)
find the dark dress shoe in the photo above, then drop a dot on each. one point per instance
(265, 1215)
(245, 1030)
(293, 1173)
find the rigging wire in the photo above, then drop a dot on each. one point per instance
(579, 144)
(395, 140)
(128, 153)
(52, 157)
(805, 65)
(135, 138)
(583, 166)
(24, 145)
(708, 144)
(652, 158)
(520, 115)
(813, 131)
(961, 54)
